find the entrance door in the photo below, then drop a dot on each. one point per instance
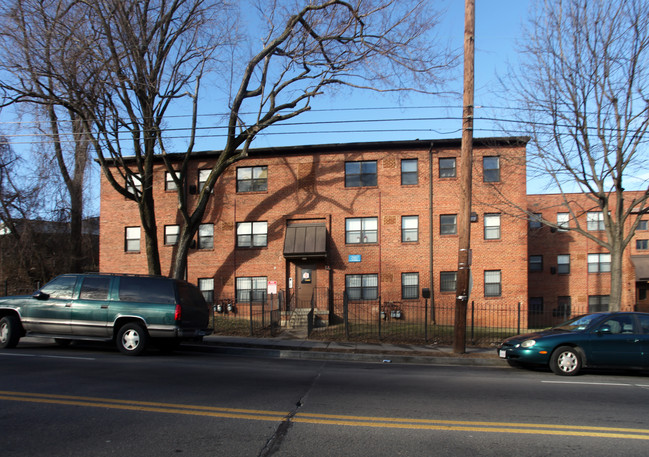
(306, 284)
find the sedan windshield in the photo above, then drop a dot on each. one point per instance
(578, 323)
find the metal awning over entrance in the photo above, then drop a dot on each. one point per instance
(305, 241)
(641, 264)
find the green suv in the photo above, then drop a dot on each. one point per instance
(131, 310)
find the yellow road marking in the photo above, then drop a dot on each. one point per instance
(331, 419)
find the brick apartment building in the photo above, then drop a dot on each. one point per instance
(375, 219)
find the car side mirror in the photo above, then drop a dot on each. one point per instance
(604, 329)
(41, 295)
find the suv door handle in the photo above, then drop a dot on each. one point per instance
(104, 306)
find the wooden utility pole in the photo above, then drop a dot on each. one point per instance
(466, 177)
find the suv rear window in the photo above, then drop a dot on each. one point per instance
(139, 289)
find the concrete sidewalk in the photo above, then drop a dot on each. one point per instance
(289, 347)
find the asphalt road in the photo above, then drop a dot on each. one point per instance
(92, 401)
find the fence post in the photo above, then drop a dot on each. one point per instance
(346, 314)
(472, 322)
(425, 320)
(380, 308)
(252, 331)
(518, 328)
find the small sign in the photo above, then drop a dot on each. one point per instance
(354, 258)
(272, 287)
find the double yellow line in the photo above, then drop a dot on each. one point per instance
(330, 419)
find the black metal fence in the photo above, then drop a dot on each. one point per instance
(255, 318)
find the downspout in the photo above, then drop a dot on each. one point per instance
(430, 232)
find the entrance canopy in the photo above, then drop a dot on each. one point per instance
(306, 241)
(641, 264)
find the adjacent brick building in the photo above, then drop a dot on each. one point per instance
(375, 219)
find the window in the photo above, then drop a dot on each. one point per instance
(171, 234)
(206, 286)
(134, 184)
(252, 179)
(409, 285)
(491, 169)
(361, 230)
(492, 226)
(448, 224)
(492, 285)
(447, 167)
(205, 236)
(132, 239)
(563, 221)
(535, 221)
(252, 234)
(360, 174)
(563, 264)
(409, 229)
(60, 287)
(564, 308)
(536, 263)
(95, 288)
(448, 281)
(536, 305)
(146, 290)
(642, 245)
(598, 303)
(599, 263)
(170, 184)
(362, 287)
(202, 178)
(642, 225)
(251, 289)
(595, 221)
(409, 172)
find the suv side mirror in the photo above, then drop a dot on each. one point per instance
(604, 329)
(41, 295)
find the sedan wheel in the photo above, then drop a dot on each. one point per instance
(566, 361)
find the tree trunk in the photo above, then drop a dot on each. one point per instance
(615, 298)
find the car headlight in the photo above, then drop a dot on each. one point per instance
(528, 343)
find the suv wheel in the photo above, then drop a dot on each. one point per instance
(9, 332)
(132, 339)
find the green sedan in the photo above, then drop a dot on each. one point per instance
(615, 340)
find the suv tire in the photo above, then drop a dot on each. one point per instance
(9, 332)
(132, 339)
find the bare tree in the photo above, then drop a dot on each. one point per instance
(584, 90)
(145, 56)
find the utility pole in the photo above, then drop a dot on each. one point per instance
(466, 177)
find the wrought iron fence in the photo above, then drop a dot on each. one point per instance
(255, 318)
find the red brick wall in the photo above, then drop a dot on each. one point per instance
(311, 185)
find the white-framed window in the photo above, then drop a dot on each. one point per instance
(202, 178)
(251, 288)
(360, 174)
(362, 287)
(206, 286)
(252, 234)
(171, 235)
(448, 224)
(642, 245)
(132, 239)
(252, 179)
(598, 303)
(170, 184)
(536, 263)
(448, 281)
(205, 236)
(563, 221)
(409, 175)
(409, 229)
(595, 221)
(492, 226)
(409, 285)
(491, 169)
(492, 283)
(535, 221)
(563, 264)
(447, 167)
(642, 225)
(134, 184)
(361, 230)
(599, 263)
